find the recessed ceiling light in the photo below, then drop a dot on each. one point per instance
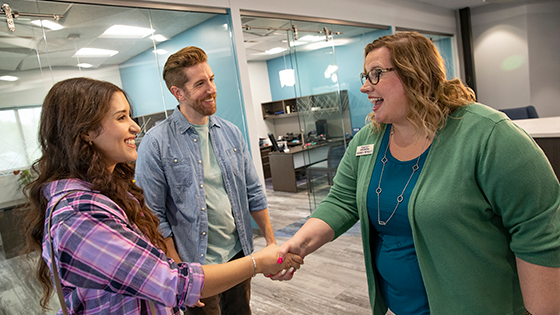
(160, 51)
(275, 50)
(312, 38)
(158, 38)
(84, 65)
(125, 31)
(48, 24)
(95, 52)
(8, 78)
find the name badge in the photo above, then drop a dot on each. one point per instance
(364, 150)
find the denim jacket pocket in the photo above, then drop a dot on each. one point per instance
(180, 177)
(236, 161)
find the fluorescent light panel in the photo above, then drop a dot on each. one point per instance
(160, 51)
(8, 78)
(158, 38)
(84, 65)
(95, 52)
(312, 38)
(275, 50)
(125, 31)
(48, 24)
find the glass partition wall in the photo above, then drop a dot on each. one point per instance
(43, 42)
(315, 105)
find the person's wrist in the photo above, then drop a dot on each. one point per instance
(254, 265)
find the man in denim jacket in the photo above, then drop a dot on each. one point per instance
(199, 179)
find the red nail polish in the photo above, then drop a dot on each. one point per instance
(280, 260)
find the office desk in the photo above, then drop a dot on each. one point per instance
(546, 132)
(283, 166)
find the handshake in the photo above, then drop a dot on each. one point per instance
(277, 263)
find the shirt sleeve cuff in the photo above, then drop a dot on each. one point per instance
(195, 287)
(165, 229)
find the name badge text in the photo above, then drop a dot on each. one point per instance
(364, 150)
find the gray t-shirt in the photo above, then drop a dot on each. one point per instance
(223, 240)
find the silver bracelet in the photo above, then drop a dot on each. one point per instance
(254, 265)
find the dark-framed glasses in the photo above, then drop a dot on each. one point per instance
(373, 75)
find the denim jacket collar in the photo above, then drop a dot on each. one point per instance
(183, 124)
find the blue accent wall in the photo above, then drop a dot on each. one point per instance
(141, 75)
(444, 48)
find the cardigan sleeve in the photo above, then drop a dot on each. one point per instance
(519, 183)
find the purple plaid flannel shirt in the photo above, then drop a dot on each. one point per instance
(105, 263)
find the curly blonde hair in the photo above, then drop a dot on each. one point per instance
(421, 69)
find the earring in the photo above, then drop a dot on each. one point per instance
(90, 142)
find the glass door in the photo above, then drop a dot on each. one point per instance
(311, 101)
(322, 107)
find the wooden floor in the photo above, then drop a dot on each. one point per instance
(332, 280)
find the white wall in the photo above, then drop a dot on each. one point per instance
(516, 56)
(543, 25)
(11, 193)
(260, 90)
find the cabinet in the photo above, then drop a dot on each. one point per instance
(279, 109)
(324, 103)
(266, 161)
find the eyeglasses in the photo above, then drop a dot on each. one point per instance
(373, 75)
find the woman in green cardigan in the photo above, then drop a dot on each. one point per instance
(459, 208)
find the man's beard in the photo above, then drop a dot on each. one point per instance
(202, 109)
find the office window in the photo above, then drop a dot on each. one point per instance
(18, 147)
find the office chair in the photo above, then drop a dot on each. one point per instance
(521, 112)
(328, 166)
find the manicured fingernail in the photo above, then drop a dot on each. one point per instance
(291, 270)
(283, 272)
(268, 276)
(280, 260)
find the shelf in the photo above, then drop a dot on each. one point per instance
(329, 102)
(281, 116)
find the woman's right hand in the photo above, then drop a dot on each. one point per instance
(269, 262)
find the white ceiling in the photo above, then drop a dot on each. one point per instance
(459, 4)
(84, 23)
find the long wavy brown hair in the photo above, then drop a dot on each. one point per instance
(71, 109)
(421, 69)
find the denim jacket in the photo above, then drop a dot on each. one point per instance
(169, 170)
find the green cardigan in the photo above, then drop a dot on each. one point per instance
(486, 194)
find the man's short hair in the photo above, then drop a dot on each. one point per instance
(173, 71)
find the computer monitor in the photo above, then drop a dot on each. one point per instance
(274, 143)
(321, 127)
